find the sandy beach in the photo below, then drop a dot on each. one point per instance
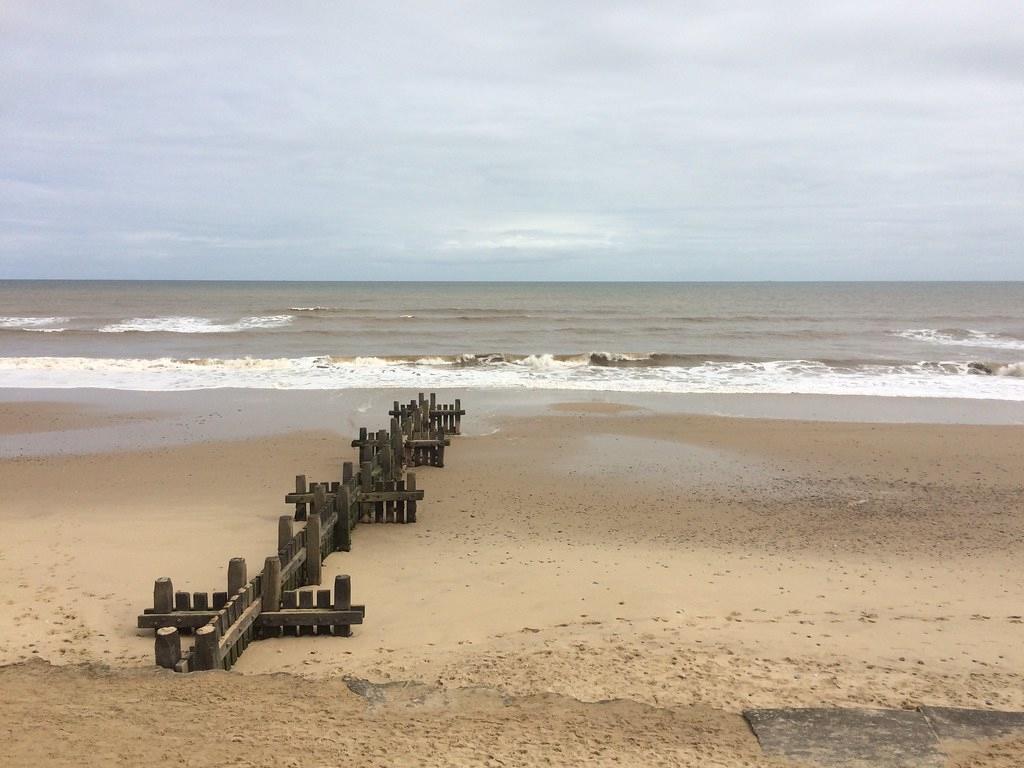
(576, 563)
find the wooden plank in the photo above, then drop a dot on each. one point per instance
(246, 618)
(293, 565)
(406, 495)
(310, 618)
(190, 620)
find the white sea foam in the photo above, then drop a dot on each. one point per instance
(1013, 369)
(535, 372)
(955, 337)
(33, 323)
(194, 324)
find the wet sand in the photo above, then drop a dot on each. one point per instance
(693, 565)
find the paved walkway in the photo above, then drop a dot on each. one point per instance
(881, 738)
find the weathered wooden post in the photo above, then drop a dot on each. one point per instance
(365, 486)
(385, 462)
(319, 499)
(167, 647)
(270, 595)
(440, 447)
(396, 446)
(410, 505)
(300, 506)
(284, 531)
(237, 576)
(163, 595)
(364, 446)
(207, 651)
(458, 416)
(342, 505)
(342, 602)
(313, 561)
(270, 598)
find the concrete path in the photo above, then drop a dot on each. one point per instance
(876, 738)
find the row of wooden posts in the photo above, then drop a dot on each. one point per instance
(273, 602)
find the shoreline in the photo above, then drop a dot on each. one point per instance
(92, 420)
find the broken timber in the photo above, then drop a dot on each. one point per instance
(273, 602)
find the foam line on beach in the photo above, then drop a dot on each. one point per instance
(546, 372)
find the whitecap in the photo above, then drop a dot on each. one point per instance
(33, 323)
(194, 324)
(956, 337)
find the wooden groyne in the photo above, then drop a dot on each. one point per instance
(275, 602)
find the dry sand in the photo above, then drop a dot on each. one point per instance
(691, 566)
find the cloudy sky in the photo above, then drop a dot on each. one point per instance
(497, 140)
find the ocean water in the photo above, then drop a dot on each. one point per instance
(896, 339)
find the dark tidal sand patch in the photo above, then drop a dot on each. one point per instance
(595, 407)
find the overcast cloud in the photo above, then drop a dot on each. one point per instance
(480, 140)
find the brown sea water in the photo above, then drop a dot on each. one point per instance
(926, 339)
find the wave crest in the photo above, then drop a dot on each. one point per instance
(540, 371)
(41, 324)
(195, 324)
(961, 337)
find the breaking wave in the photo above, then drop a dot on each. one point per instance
(596, 371)
(39, 324)
(962, 337)
(195, 324)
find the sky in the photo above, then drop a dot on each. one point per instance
(512, 141)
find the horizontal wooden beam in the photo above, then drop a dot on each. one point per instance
(293, 498)
(390, 496)
(310, 617)
(179, 619)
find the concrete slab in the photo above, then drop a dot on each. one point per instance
(973, 724)
(848, 738)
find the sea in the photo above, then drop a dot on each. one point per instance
(941, 339)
